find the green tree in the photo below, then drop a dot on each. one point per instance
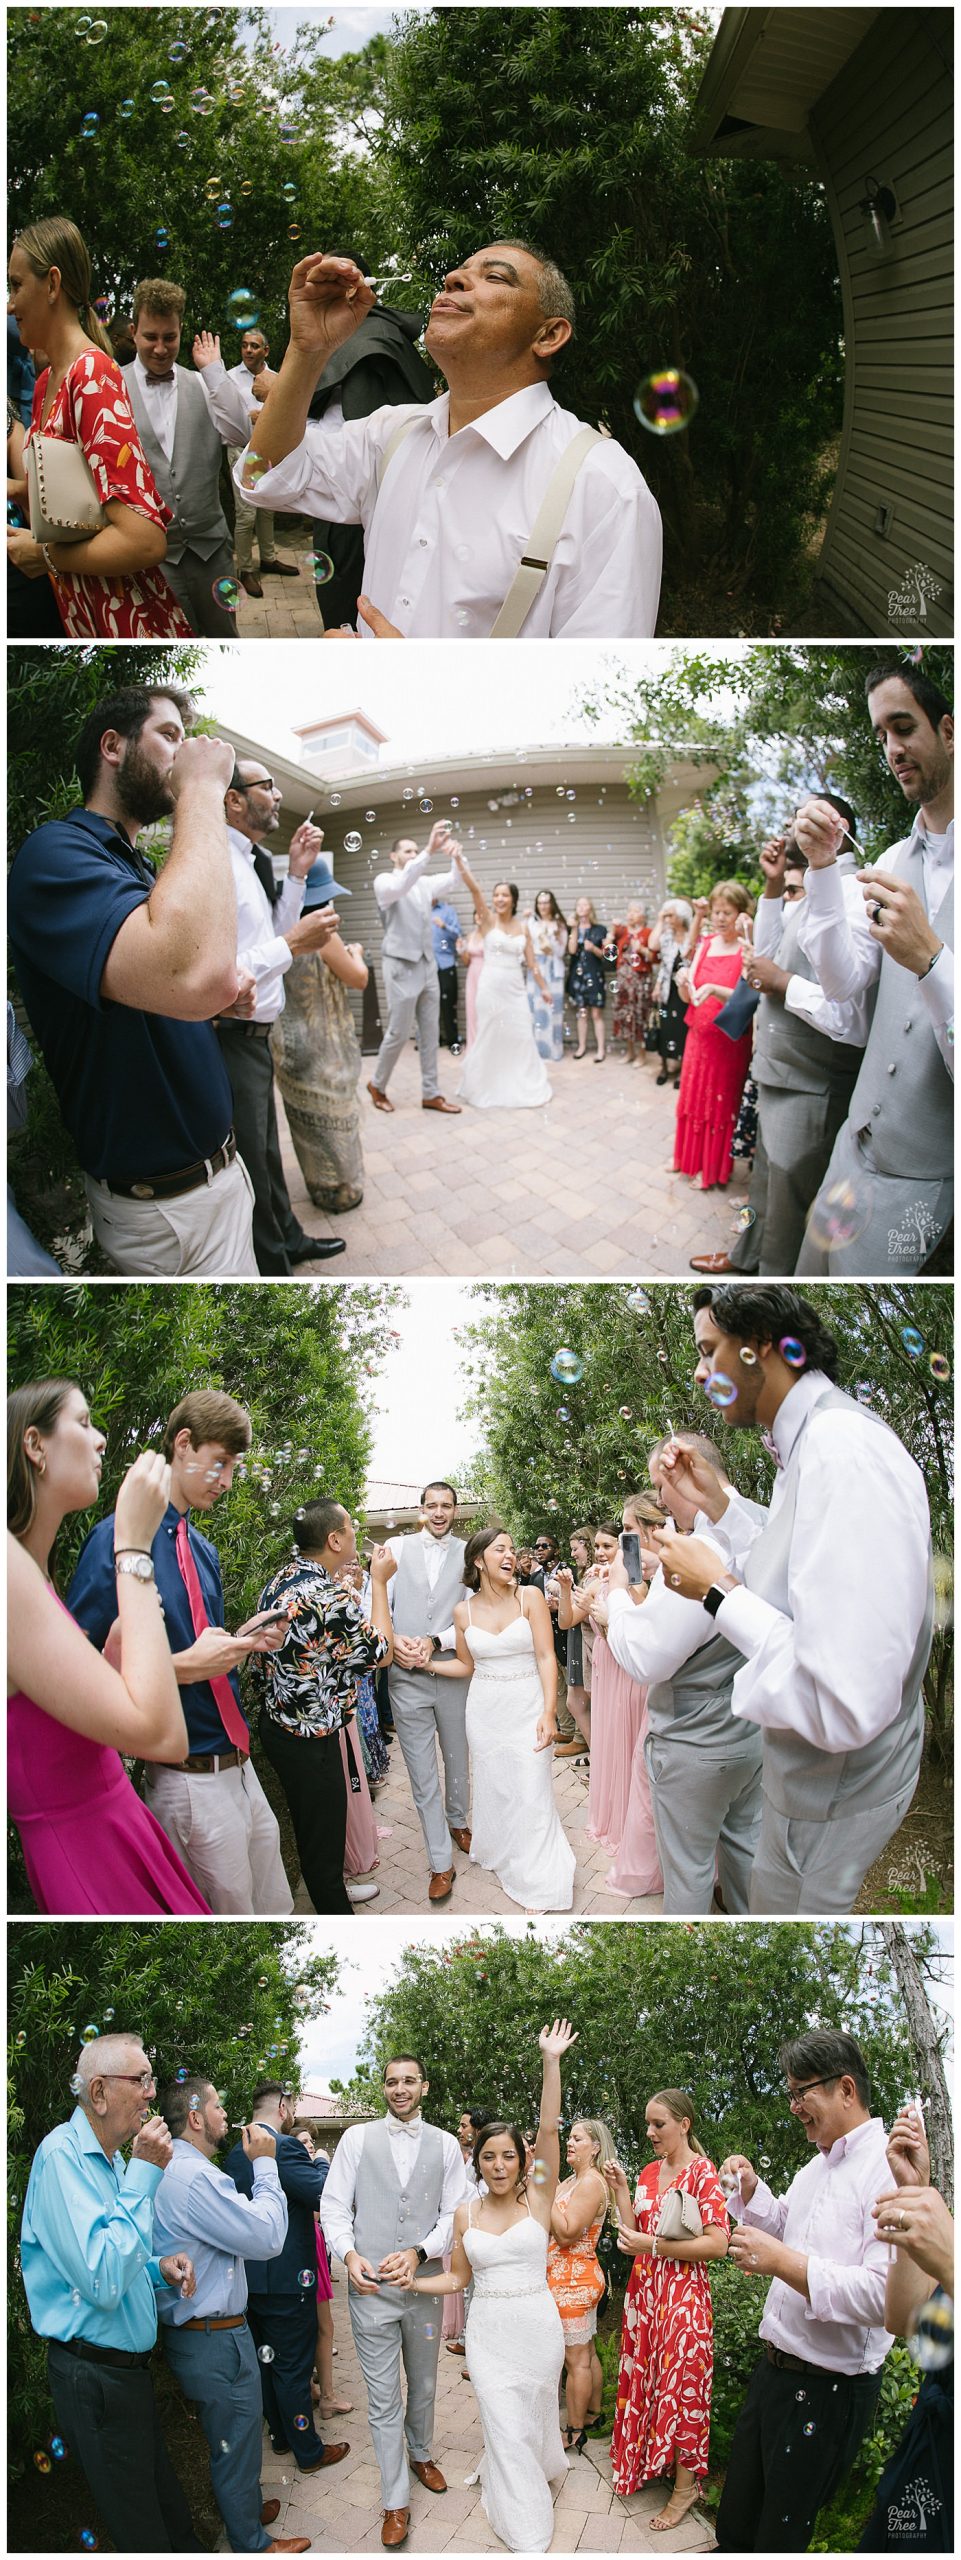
(559, 1452)
(771, 725)
(229, 2001)
(570, 127)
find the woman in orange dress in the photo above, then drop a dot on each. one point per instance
(574, 2273)
(110, 585)
(664, 2382)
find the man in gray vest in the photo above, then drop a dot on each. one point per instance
(424, 1592)
(886, 1202)
(704, 1768)
(805, 1062)
(830, 1601)
(184, 451)
(411, 996)
(387, 2211)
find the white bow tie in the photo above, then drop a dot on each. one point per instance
(412, 2124)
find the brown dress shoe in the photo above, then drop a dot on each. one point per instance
(252, 585)
(395, 2527)
(462, 1840)
(437, 1103)
(270, 2511)
(456, 2347)
(381, 1102)
(441, 1885)
(332, 2453)
(429, 2476)
(572, 1750)
(713, 1263)
(302, 2543)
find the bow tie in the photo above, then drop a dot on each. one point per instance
(412, 2125)
(154, 380)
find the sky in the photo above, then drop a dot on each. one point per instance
(421, 1384)
(370, 1951)
(519, 697)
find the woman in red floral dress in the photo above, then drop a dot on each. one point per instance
(110, 585)
(715, 1067)
(664, 2381)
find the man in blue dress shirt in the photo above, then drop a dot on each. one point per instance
(447, 932)
(283, 2290)
(208, 2342)
(91, 2279)
(212, 1806)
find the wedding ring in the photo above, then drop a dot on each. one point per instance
(877, 911)
(902, 2222)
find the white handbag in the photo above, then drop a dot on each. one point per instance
(64, 505)
(679, 2217)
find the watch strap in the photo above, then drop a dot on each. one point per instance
(713, 1598)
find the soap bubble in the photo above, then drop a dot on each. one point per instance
(792, 1351)
(58, 2448)
(242, 308)
(253, 470)
(246, 186)
(178, 52)
(639, 1302)
(180, 2076)
(913, 1341)
(407, 793)
(97, 32)
(226, 592)
(748, 1356)
(293, 231)
(353, 843)
(289, 192)
(89, 2540)
(162, 238)
(160, 89)
(567, 1368)
(322, 568)
(88, 2033)
(940, 1367)
(89, 127)
(932, 2344)
(182, 138)
(335, 800)
(426, 807)
(288, 133)
(762, 2160)
(104, 307)
(22, 2037)
(665, 401)
(301, 2424)
(224, 217)
(563, 1413)
(719, 1390)
(202, 102)
(307, 2276)
(266, 2355)
(454, 801)
(125, 109)
(626, 1413)
(370, 817)
(838, 1215)
(43, 2462)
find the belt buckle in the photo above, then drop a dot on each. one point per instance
(142, 1191)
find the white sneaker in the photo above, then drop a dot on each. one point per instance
(362, 1892)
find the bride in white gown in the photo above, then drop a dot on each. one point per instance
(515, 2340)
(503, 1070)
(505, 1639)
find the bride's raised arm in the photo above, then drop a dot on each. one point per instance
(481, 909)
(541, 2184)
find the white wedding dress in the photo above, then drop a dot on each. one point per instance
(515, 1822)
(515, 2351)
(502, 1069)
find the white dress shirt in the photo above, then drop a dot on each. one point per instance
(435, 1552)
(858, 1580)
(826, 2215)
(408, 881)
(652, 1639)
(261, 928)
(835, 932)
(337, 2201)
(848, 1022)
(444, 537)
(160, 402)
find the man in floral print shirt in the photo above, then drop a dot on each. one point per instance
(309, 1689)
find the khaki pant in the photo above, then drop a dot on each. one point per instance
(222, 1827)
(208, 1231)
(249, 520)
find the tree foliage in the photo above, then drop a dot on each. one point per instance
(556, 1454)
(230, 2001)
(771, 725)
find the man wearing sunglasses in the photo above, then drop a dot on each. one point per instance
(91, 2283)
(812, 2398)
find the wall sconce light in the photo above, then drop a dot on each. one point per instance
(877, 208)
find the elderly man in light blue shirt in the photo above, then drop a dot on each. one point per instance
(208, 2342)
(91, 2282)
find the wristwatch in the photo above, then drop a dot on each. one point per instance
(436, 1644)
(133, 1560)
(422, 2257)
(712, 1599)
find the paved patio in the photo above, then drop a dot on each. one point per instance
(284, 611)
(402, 1872)
(580, 1190)
(341, 2509)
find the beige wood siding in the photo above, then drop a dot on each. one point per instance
(888, 117)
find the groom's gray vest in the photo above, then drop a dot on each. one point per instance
(802, 1782)
(416, 1610)
(904, 1095)
(189, 483)
(408, 932)
(694, 1705)
(387, 2215)
(788, 1049)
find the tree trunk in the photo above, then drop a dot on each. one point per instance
(923, 2032)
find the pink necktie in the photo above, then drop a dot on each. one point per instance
(230, 1714)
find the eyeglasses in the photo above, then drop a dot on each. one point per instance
(794, 893)
(138, 2079)
(261, 782)
(794, 2096)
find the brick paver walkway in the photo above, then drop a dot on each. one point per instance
(341, 2510)
(402, 1873)
(578, 1190)
(284, 611)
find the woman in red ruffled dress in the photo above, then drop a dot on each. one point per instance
(663, 2414)
(110, 585)
(715, 1068)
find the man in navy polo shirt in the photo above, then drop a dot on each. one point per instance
(121, 971)
(213, 1806)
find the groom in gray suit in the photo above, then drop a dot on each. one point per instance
(411, 993)
(387, 2210)
(184, 451)
(424, 1592)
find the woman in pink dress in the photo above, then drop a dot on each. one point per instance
(361, 1852)
(89, 1843)
(618, 1725)
(715, 1068)
(110, 584)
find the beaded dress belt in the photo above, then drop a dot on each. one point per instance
(506, 2292)
(504, 1670)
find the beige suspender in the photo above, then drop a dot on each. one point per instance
(536, 560)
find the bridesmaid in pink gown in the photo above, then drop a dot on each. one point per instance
(715, 1068)
(89, 1843)
(619, 1804)
(361, 1852)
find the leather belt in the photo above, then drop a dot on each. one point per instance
(88, 2353)
(208, 1764)
(230, 2320)
(791, 2364)
(168, 1186)
(246, 1030)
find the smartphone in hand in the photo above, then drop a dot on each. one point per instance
(630, 1546)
